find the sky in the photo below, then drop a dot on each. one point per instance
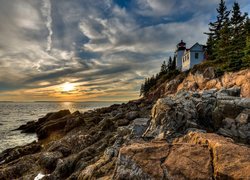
(93, 50)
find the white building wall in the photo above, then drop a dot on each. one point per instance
(179, 55)
(195, 60)
(186, 61)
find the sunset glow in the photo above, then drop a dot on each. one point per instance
(66, 87)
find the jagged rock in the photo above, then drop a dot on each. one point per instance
(75, 121)
(49, 121)
(138, 127)
(233, 91)
(164, 161)
(14, 153)
(59, 147)
(135, 129)
(122, 122)
(243, 117)
(19, 168)
(170, 115)
(141, 161)
(132, 115)
(187, 161)
(48, 160)
(206, 80)
(230, 161)
(80, 146)
(228, 107)
(228, 122)
(225, 132)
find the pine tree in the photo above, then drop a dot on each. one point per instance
(246, 59)
(163, 68)
(216, 29)
(210, 47)
(238, 39)
(223, 44)
(169, 67)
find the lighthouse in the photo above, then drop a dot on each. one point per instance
(180, 49)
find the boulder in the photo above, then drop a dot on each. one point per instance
(141, 161)
(25, 165)
(9, 155)
(132, 115)
(134, 130)
(243, 117)
(230, 160)
(122, 122)
(48, 160)
(172, 115)
(188, 161)
(33, 126)
(159, 160)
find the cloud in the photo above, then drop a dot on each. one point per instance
(46, 11)
(106, 48)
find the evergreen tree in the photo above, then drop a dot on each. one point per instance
(246, 59)
(163, 68)
(216, 29)
(210, 47)
(238, 37)
(223, 44)
(169, 67)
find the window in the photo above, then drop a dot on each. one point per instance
(196, 55)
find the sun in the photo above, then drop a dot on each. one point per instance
(66, 87)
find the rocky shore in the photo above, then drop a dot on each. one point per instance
(193, 132)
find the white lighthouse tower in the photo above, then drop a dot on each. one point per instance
(180, 48)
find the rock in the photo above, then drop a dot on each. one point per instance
(122, 122)
(138, 127)
(233, 91)
(171, 115)
(134, 130)
(119, 115)
(164, 161)
(59, 114)
(19, 168)
(225, 132)
(75, 121)
(132, 115)
(230, 161)
(242, 134)
(187, 161)
(228, 122)
(206, 80)
(243, 117)
(47, 120)
(228, 107)
(9, 155)
(48, 160)
(133, 164)
(60, 147)
(106, 124)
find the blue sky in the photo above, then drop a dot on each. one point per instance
(104, 47)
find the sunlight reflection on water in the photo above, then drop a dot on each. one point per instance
(13, 115)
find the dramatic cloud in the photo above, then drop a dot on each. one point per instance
(46, 11)
(105, 48)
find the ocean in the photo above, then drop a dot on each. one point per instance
(14, 114)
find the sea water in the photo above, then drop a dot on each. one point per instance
(15, 114)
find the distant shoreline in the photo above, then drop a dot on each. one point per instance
(62, 101)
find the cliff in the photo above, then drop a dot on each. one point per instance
(203, 79)
(195, 126)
